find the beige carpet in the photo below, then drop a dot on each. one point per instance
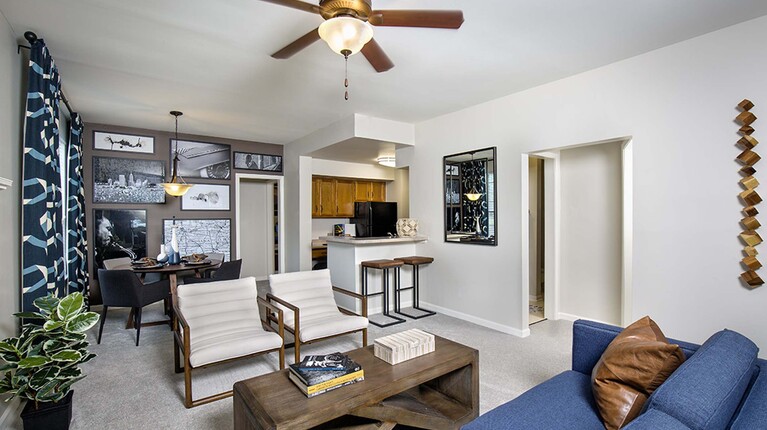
(131, 387)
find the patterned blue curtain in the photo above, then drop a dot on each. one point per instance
(77, 252)
(42, 242)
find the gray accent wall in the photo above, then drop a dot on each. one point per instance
(156, 213)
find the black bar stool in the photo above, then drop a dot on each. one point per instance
(385, 266)
(416, 262)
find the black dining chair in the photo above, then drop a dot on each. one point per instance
(225, 272)
(123, 289)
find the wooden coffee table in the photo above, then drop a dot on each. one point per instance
(437, 391)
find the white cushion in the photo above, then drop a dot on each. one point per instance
(312, 293)
(223, 321)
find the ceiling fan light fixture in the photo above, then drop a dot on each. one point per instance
(345, 35)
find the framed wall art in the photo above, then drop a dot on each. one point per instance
(119, 233)
(262, 162)
(108, 141)
(206, 197)
(201, 236)
(202, 159)
(127, 180)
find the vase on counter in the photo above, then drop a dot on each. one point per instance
(162, 257)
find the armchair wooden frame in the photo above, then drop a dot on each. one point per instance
(182, 343)
(296, 320)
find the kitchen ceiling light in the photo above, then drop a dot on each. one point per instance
(387, 160)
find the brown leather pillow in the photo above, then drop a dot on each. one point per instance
(635, 363)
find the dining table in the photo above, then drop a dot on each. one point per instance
(171, 271)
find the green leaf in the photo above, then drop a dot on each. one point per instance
(46, 392)
(8, 366)
(88, 358)
(82, 322)
(67, 355)
(7, 347)
(52, 346)
(47, 304)
(33, 361)
(70, 306)
(65, 387)
(53, 325)
(43, 376)
(30, 315)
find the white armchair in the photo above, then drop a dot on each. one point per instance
(311, 312)
(218, 322)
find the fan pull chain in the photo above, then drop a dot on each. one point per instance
(346, 77)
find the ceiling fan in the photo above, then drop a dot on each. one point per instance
(347, 27)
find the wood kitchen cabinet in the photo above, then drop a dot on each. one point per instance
(323, 197)
(335, 197)
(370, 191)
(345, 197)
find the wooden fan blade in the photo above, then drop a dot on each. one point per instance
(299, 44)
(295, 4)
(376, 56)
(417, 18)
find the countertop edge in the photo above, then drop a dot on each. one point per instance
(374, 241)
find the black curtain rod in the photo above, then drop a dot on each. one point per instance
(32, 38)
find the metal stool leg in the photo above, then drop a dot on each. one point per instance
(415, 287)
(385, 294)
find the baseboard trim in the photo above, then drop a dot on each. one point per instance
(479, 321)
(534, 298)
(10, 413)
(571, 317)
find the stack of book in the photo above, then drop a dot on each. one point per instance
(317, 374)
(398, 347)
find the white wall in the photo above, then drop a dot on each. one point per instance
(11, 123)
(352, 170)
(256, 228)
(321, 227)
(399, 191)
(678, 104)
(591, 213)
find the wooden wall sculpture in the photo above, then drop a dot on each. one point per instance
(750, 198)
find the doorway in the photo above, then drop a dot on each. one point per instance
(537, 234)
(259, 218)
(584, 267)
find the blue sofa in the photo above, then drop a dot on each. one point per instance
(721, 385)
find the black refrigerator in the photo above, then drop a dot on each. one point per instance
(375, 219)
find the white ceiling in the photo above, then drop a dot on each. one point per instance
(130, 62)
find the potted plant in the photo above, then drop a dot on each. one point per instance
(43, 362)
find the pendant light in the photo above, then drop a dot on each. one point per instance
(473, 195)
(177, 186)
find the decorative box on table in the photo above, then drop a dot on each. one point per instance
(398, 347)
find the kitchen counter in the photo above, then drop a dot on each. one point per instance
(363, 241)
(345, 255)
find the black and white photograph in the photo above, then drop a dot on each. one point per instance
(123, 142)
(206, 197)
(127, 180)
(119, 233)
(263, 162)
(202, 159)
(201, 236)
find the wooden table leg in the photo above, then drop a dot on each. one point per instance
(129, 323)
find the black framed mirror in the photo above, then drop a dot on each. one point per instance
(470, 197)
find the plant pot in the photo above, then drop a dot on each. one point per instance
(49, 415)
